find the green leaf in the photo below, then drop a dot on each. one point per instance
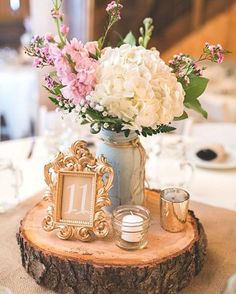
(127, 132)
(50, 91)
(91, 55)
(165, 129)
(100, 41)
(195, 88)
(57, 89)
(149, 131)
(94, 114)
(144, 133)
(84, 122)
(196, 106)
(54, 100)
(130, 39)
(159, 129)
(183, 116)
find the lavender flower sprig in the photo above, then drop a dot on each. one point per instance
(113, 9)
(189, 74)
(184, 66)
(38, 49)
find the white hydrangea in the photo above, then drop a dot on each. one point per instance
(136, 85)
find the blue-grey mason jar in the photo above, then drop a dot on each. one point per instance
(127, 157)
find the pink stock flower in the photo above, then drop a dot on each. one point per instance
(76, 91)
(75, 49)
(64, 29)
(62, 65)
(48, 37)
(83, 83)
(92, 47)
(75, 69)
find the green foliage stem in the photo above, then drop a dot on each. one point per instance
(146, 32)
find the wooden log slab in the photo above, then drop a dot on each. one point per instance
(166, 265)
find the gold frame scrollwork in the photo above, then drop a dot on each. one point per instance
(78, 159)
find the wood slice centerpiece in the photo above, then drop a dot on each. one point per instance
(166, 265)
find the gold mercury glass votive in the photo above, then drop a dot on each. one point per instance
(174, 209)
(130, 226)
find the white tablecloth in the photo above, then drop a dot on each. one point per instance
(213, 187)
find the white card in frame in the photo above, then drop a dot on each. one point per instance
(78, 186)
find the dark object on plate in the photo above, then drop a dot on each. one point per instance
(212, 152)
(206, 154)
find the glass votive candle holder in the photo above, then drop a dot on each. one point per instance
(174, 209)
(130, 226)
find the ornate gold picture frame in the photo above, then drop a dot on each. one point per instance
(78, 186)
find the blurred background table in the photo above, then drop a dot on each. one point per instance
(213, 187)
(18, 99)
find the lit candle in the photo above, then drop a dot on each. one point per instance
(132, 226)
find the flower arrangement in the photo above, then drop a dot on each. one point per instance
(125, 88)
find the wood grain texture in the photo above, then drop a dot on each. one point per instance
(220, 29)
(167, 265)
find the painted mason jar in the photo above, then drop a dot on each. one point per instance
(127, 157)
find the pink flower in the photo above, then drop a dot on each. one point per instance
(214, 53)
(49, 81)
(75, 91)
(114, 8)
(35, 39)
(92, 47)
(75, 44)
(48, 37)
(56, 13)
(62, 65)
(75, 49)
(220, 58)
(75, 69)
(113, 5)
(37, 63)
(83, 82)
(64, 29)
(44, 51)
